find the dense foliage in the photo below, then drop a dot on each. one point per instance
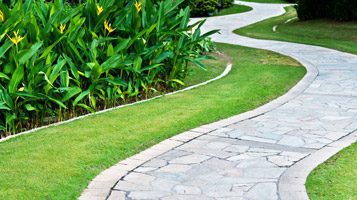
(225, 3)
(202, 8)
(343, 10)
(59, 60)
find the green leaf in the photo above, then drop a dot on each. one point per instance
(29, 53)
(110, 50)
(163, 56)
(3, 107)
(2, 75)
(80, 97)
(122, 45)
(86, 107)
(71, 92)
(29, 107)
(137, 63)
(16, 79)
(5, 47)
(49, 48)
(177, 81)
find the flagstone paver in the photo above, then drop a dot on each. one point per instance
(244, 157)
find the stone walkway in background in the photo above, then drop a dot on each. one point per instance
(244, 159)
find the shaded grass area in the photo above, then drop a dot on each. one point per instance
(266, 1)
(59, 162)
(336, 178)
(235, 9)
(327, 33)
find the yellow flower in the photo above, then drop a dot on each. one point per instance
(2, 16)
(108, 26)
(99, 9)
(17, 38)
(138, 5)
(62, 28)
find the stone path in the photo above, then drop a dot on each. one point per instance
(244, 157)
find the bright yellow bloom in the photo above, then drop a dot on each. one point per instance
(99, 9)
(17, 38)
(62, 28)
(138, 5)
(2, 16)
(108, 26)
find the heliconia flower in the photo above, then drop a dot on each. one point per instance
(138, 5)
(17, 38)
(2, 16)
(108, 26)
(62, 28)
(99, 9)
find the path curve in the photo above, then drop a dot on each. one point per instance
(262, 154)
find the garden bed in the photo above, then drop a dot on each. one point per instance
(62, 60)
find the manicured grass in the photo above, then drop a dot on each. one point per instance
(336, 178)
(214, 67)
(266, 1)
(235, 9)
(59, 162)
(337, 35)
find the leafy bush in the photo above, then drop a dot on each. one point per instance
(58, 61)
(225, 3)
(203, 7)
(335, 9)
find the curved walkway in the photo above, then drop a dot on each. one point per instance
(262, 154)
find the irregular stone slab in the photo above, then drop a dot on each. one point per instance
(190, 159)
(262, 191)
(184, 189)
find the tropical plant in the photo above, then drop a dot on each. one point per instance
(60, 60)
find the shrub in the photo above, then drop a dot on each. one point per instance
(203, 7)
(225, 3)
(335, 9)
(58, 61)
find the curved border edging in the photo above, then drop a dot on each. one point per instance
(101, 186)
(291, 185)
(223, 74)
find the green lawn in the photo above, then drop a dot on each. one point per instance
(59, 162)
(337, 35)
(214, 67)
(266, 1)
(235, 9)
(336, 178)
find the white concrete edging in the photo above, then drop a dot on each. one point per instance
(292, 183)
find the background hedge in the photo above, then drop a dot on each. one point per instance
(343, 10)
(204, 8)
